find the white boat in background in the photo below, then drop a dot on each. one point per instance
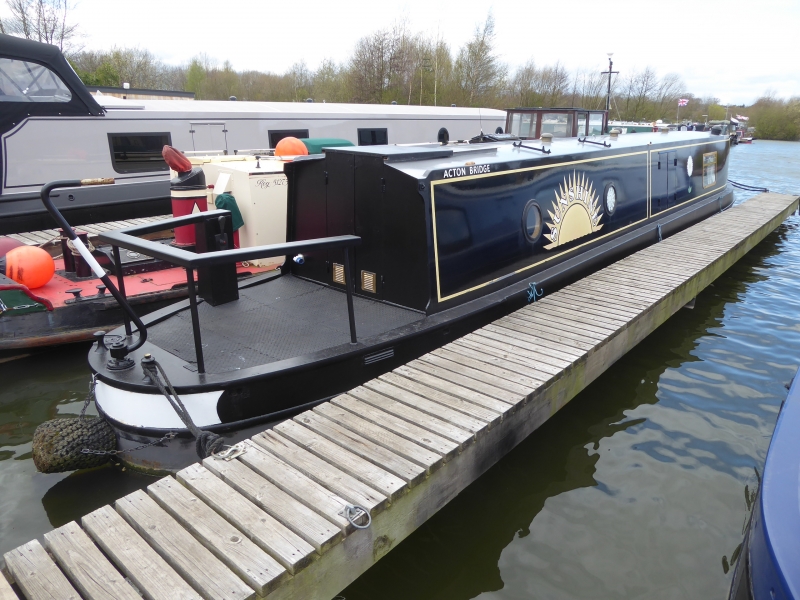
(52, 128)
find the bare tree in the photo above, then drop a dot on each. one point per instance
(478, 72)
(330, 83)
(524, 85)
(588, 89)
(379, 63)
(301, 80)
(638, 88)
(667, 93)
(553, 84)
(43, 21)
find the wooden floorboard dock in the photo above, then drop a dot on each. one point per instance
(271, 522)
(47, 237)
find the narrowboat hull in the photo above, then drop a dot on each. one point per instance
(766, 568)
(461, 291)
(450, 238)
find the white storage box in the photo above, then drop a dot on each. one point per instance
(261, 196)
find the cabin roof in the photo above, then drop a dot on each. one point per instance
(222, 109)
(433, 157)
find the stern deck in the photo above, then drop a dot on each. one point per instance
(282, 318)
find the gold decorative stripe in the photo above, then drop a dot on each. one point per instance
(549, 258)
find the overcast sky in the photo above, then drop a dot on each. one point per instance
(733, 49)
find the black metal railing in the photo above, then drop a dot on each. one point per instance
(125, 238)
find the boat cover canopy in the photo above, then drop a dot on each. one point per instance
(81, 102)
(315, 145)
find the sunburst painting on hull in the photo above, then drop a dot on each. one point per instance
(576, 211)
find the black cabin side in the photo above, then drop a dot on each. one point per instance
(441, 226)
(355, 192)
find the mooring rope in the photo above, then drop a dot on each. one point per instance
(207, 442)
(744, 186)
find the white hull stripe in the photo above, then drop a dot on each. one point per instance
(153, 410)
(186, 194)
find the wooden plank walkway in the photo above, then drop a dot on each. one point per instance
(48, 237)
(271, 522)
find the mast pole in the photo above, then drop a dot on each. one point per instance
(610, 72)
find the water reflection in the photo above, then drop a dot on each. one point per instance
(67, 500)
(35, 389)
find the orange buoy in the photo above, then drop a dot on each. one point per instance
(291, 146)
(30, 266)
(7, 243)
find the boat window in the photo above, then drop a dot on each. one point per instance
(515, 118)
(532, 221)
(138, 152)
(527, 126)
(278, 135)
(23, 81)
(373, 137)
(559, 124)
(709, 169)
(581, 124)
(595, 124)
(610, 199)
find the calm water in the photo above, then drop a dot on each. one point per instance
(635, 490)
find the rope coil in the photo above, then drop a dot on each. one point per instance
(74, 250)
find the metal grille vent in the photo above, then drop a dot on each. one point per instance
(378, 356)
(338, 273)
(368, 282)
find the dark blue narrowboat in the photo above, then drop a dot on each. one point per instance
(393, 251)
(768, 567)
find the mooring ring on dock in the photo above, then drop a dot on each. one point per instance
(350, 512)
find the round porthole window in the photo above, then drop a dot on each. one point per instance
(532, 221)
(610, 199)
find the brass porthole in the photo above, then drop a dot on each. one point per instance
(532, 222)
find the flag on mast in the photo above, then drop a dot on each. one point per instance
(683, 102)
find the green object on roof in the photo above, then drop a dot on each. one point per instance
(227, 202)
(315, 145)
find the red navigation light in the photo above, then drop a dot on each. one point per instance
(176, 159)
